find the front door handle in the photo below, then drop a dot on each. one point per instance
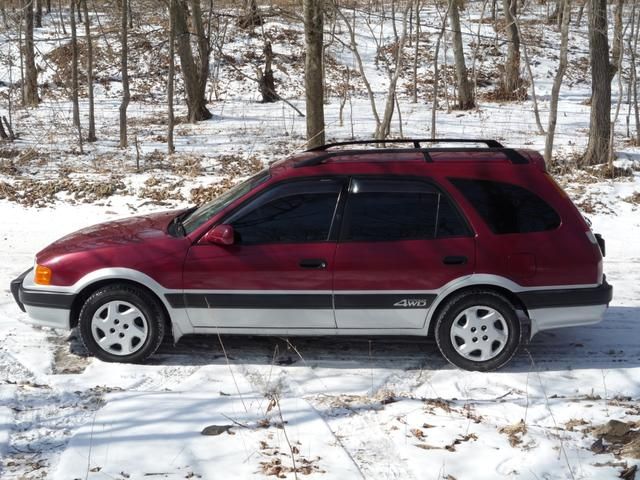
(455, 260)
(315, 263)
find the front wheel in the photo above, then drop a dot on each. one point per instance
(121, 323)
(478, 330)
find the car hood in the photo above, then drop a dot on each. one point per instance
(128, 231)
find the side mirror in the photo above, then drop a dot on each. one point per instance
(220, 235)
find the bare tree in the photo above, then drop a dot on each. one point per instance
(465, 90)
(195, 71)
(434, 106)
(91, 135)
(414, 99)
(31, 74)
(266, 82)
(250, 17)
(172, 62)
(38, 15)
(600, 121)
(74, 73)
(383, 124)
(512, 80)
(557, 81)
(124, 60)
(314, 89)
(633, 79)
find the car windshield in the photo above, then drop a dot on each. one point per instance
(208, 210)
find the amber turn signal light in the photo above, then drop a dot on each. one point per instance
(43, 275)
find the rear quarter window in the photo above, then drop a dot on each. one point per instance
(508, 208)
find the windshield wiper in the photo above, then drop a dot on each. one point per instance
(176, 224)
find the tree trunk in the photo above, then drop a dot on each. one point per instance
(266, 81)
(48, 6)
(91, 135)
(465, 92)
(600, 122)
(557, 81)
(124, 59)
(194, 73)
(314, 93)
(38, 15)
(434, 107)
(414, 98)
(74, 73)
(64, 30)
(512, 80)
(31, 74)
(172, 62)
(250, 18)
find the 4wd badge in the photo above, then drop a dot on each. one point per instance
(412, 303)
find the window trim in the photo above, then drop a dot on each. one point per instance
(469, 231)
(335, 220)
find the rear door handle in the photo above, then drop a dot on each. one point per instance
(455, 260)
(316, 263)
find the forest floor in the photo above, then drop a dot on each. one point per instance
(330, 408)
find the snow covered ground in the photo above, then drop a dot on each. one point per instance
(341, 408)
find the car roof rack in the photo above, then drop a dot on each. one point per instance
(416, 142)
(493, 146)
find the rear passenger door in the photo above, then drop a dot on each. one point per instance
(400, 242)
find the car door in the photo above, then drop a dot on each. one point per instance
(278, 272)
(401, 241)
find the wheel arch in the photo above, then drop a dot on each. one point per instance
(89, 289)
(513, 298)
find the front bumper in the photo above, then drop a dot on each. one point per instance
(45, 308)
(16, 286)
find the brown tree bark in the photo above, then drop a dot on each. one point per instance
(91, 135)
(124, 61)
(31, 74)
(195, 71)
(600, 121)
(171, 120)
(266, 81)
(314, 91)
(38, 14)
(465, 90)
(512, 80)
(557, 81)
(74, 73)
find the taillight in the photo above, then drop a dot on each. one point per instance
(596, 239)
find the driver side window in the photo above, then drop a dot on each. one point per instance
(294, 212)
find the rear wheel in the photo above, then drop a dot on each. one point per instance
(121, 323)
(478, 330)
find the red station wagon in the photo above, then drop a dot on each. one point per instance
(478, 247)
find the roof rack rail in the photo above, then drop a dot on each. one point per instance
(493, 146)
(416, 142)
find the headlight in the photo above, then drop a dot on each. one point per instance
(42, 275)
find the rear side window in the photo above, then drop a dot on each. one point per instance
(390, 210)
(508, 208)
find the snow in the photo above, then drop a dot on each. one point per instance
(352, 402)
(350, 407)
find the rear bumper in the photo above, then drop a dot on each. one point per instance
(550, 309)
(45, 308)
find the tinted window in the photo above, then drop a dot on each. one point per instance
(380, 210)
(291, 213)
(508, 208)
(208, 210)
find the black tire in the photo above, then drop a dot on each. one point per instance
(138, 323)
(504, 323)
